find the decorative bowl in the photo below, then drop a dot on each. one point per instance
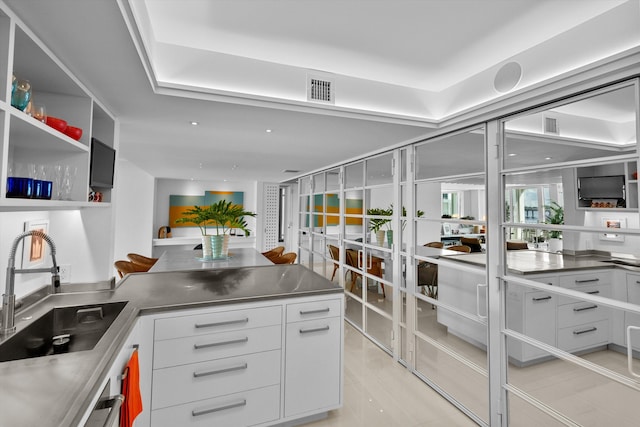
(56, 123)
(73, 132)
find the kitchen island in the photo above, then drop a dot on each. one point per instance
(285, 306)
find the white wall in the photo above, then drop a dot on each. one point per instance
(167, 187)
(134, 213)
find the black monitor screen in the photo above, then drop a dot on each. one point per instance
(602, 187)
(103, 160)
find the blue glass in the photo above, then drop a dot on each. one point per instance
(19, 187)
(21, 95)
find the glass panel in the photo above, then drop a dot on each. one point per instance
(584, 396)
(379, 213)
(466, 385)
(404, 167)
(333, 179)
(523, 414)
(596, 127)
(379, 170)
(354, 175)
(379, 328)
(354, 215)
(453, 155)
(304, 257)
(318, 183)
(353, 311)
(305, 185)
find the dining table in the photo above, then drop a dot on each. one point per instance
(187, 259)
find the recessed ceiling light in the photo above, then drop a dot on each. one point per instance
(512, 154)
(268, 130)
(548, 158)
(194, 123)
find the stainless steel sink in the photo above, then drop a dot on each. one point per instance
(62, 330)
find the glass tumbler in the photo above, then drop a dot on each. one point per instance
(22, 94)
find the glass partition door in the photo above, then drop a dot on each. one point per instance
(448, 282)
(570, 281)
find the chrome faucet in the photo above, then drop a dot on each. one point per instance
(9, 297)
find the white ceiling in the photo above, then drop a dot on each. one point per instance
(239, 67)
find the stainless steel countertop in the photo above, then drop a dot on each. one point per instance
(539, 262)
(57, 390)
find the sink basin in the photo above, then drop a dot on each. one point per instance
(62, 330)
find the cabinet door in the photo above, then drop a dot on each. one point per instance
(313, 366)
(632, 319)
(540, 321)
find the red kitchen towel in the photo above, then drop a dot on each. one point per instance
(132, 405)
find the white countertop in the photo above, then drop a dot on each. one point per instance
(181, 260)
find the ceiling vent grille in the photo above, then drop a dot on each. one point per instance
(551, 125)
(320, 90)
(290, 171)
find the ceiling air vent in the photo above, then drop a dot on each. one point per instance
(290, 171)
(551, 125)
(320, 90)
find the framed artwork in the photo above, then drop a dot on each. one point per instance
(446, 229)
(613, 223)
(178, 204)
(35, 250)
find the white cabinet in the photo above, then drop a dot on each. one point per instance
(313, 357)
(262, 363)
(632, 319)
(27, 141)
(532, 314)
(220, 356)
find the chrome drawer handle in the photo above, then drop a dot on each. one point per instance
(541, 298)
(590, 307)
(219, 343)
(240, 367)
(587, 280)
(593, 292)
(310, 330)
(321, 310)
(113, 402)
(230, 405)
(584, 331)
(223, 323)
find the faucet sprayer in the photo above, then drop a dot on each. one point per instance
(9, 297)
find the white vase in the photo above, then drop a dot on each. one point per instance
(380, 237)
(555, 245)
(206, 246)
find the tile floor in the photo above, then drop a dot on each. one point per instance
(379, 392)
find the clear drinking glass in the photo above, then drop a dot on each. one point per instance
(39, 113)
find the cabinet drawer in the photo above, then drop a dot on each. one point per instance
(207, 323)
(599, 290)
(201, 348)
(313, 310)
(583, 336)
(580, 313)
(241, 409)
(205, 380)
(585, 279)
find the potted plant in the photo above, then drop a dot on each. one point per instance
(200, 217)
(376, 224)
(554, 214)
(226, 216)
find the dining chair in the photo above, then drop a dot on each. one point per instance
(142, 260)
(472, 242)
(438, 245)
(126, 267)
(460, 248)
(274, 253)
(334, 251)
(516, 245)
(288, 258)
(375, 269)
